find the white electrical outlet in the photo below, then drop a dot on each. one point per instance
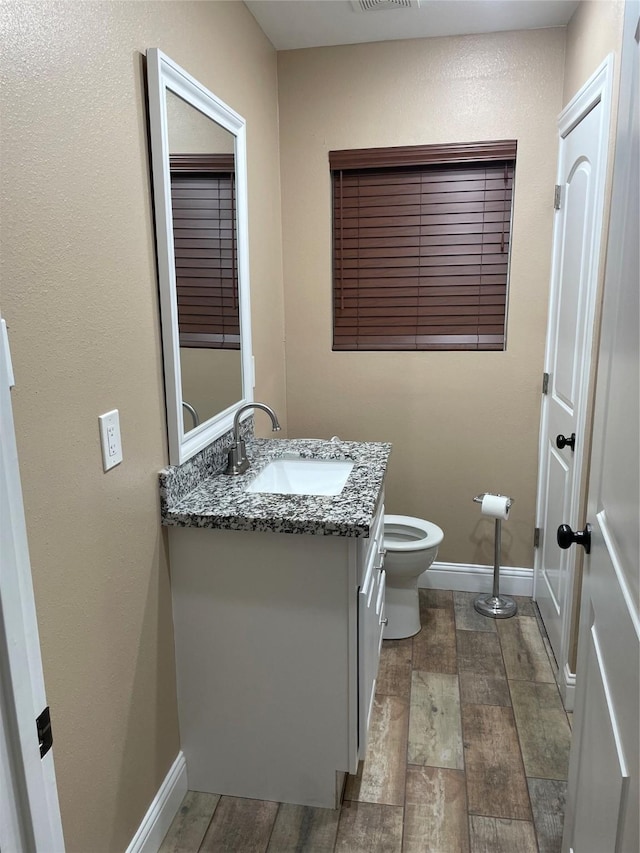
(110, 439)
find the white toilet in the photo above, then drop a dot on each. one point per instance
(411, 546)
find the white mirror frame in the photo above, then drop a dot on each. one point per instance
(163, 74)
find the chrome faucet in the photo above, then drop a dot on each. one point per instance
(192, 412)
(238, 462)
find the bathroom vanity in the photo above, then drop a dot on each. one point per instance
(278, 599)
(278, 605)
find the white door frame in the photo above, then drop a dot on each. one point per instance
(32, 794)
(597, 90)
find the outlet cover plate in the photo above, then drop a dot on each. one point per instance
(110, 439)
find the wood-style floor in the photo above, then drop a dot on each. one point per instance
(468, 753)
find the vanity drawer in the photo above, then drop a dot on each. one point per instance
(371, 553)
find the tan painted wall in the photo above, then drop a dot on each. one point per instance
(79, 294)
(595, 30)
(460, 423)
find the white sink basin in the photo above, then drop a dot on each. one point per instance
(302, 477)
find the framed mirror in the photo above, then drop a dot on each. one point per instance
(198, 153)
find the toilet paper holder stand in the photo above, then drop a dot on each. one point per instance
(479, 498)
(495, 605)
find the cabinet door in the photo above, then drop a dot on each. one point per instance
(370, 616)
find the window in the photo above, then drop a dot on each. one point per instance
(204, 236)
(421, 238)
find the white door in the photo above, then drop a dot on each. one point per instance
(12, 830)
(603, 793)
(583, 129)
(29, 811)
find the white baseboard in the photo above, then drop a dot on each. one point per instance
(162, 810)
(467, 577)
(568, 687)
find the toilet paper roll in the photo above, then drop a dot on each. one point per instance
(496, 506)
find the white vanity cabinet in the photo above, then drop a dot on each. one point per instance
(277, 640)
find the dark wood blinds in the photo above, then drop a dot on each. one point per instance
(204, 235)
(421, 249)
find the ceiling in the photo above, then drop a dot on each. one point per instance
(292, 24)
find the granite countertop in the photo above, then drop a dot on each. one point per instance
(222, 502)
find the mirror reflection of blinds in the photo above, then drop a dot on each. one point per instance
(204, 234)
(421, 238)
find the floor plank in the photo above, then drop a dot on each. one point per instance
(478, 689)
(381, 776)
(543, 729)
(302, 828)
(434, 647)
(430, 598)
(525, 657)
(190, 824)
(240, 824)
(495, 835)
(526, 606)
(394, 672)
(479, 652)
(548, 798)
(496, 784)
(467, 617)
(435, 811)
(369, 828)
(551, 657)
(435, 736)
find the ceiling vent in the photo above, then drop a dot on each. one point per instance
(379, 5)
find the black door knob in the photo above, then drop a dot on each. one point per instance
(567, 537)
(561, 441)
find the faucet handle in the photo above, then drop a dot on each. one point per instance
(237, 459)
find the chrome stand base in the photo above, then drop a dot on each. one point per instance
(496, 606)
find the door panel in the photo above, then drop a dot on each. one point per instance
(601, 796)
(577, 237)
(554, 560)
(578, 218)
(604, 786)
(12, 830)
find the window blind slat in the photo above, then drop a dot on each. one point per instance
(402, 197)
(375, 296)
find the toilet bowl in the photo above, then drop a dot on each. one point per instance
(411, 546)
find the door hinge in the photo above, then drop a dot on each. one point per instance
(45, 732)
(536, 537)
(556, 196)
(545, 383)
